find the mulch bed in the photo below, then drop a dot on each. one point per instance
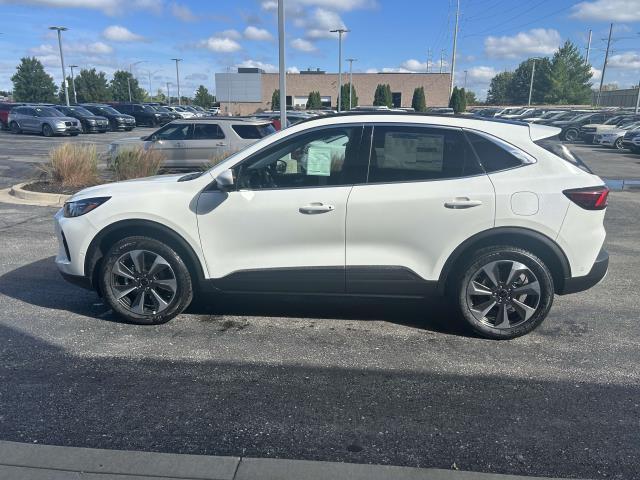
(51, 187)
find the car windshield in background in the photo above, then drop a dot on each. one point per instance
(555, 146)
(109, 110)
(47, 112)
(148, 108)
(161, 109)
(81, 111)
(253, 131)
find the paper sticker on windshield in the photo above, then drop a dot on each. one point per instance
(413, 151)
(319, 161)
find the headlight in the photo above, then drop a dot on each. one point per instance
(120, 119)
(80, 207)
(91, 122)
(157, 114)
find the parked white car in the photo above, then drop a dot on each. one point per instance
(182, 112)
(498, 216)
(613, 137)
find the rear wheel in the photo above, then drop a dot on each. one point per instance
(15, 128)
(47, 131)
(504, 292)
(571, 135)
(145, 281)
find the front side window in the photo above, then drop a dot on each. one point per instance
(413, 153)
(179, 131)
(207, 131)
(328, 157)
(495, 154)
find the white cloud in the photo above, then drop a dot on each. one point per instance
(627, 60)
(231, 33)
(345, 5)
(303, 45)
(259, 34)
(481, 73)
(269, 5)
(267, 67)
(395, 70)
(182, 12)
(99, 48)
(220, 45)
(538, 41)
(117, 33)
(95, 48)
(322, 21)
(596, 73)
(108, 7)
(608, 10)
(293, 70)
(371, 70)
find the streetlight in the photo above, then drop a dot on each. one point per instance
(64, 79)
(131, 65)
(351, 60)
(73, 83)
(168, 95)
(282, 79)
(340, 32)
(149, 72)
(533, 72)
(465, 81)
(178, 78)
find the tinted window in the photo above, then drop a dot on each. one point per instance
(177, 131)
(123, 108)
(322, 158)
(47, 112)
(494, 154)
(207, 131)
(405, 154)
(107, 110)
(555, 146)
(253, 131)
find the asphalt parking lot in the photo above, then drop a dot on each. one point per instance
(357, 381)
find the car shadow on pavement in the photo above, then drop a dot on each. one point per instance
(40, 284)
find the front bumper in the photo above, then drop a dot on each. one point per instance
(595, 275)
(66, 130)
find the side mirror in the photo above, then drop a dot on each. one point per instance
(224, 181)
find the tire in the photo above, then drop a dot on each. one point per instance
(47, 131)
(125, 268)
(15, 128)
(113, 126)
(483, 302)
(618, 144)
(571, 135)
(83, 129)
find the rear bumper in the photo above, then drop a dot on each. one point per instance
(595, 275)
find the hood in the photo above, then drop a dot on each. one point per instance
(64, 119)
(128, 141)
(127, 186)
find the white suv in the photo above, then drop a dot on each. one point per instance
(498, 215)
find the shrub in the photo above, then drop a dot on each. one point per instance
(137, 163)
(73, 165)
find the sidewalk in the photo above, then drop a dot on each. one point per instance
(22, 461)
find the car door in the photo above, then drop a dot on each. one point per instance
(425, 194)
(206, 145)
(170, 141)
(29, 121)
(283, 227)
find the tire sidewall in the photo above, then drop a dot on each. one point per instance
(184, 292)
(618, 144)
(525, 257)
(47, 131)
(571, 135)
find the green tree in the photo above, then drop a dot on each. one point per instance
(518, 90)
(569, 77)
(31, 83)
(120, 84)
(314, 101)
(388, 95)
(500, 89)
(203, 98)
(344, 97)
(160, 96)
(419, 102)
(275, 99)
(471, 98)
(458, 100)
(91, 86)
(382, 96)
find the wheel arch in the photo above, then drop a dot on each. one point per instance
(537, 243)
(131, 227)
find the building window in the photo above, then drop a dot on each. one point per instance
(326, 101)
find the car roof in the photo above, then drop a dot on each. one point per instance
(218, 119)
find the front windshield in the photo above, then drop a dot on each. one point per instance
(584, 116)
(161, 109)
(47, 112)
(81, 111)
(109, 110)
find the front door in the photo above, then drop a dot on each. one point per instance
(170, 142)
(283, 229)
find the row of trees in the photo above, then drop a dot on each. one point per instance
(565, 79)
(31, 83)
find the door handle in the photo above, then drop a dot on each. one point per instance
(315, 208)
(221, 144)
(459, 203)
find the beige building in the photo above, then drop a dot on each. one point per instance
(249, 90)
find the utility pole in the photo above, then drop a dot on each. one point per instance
(340, 32)
(73, 83)
(604, 67)
(638, 99)
(533, 72)
(465, 81)
(455, 44)
(586, 60)
(149, 72)
(178, 78)
(441, 59)
(229, 91)
(351, 60)
(64, 75)
(168, 95)
(131, 65)
(282, 66)
(429, 57)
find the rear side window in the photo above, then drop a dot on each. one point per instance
(495, 154)
(559, 149)
(253, 132)
(207, 131)
(410, 153)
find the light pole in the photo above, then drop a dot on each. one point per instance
(168, 95)
(282, 71)
(465, 81)
(455, 46)
(149, 72)
(533, 72)
(340, 32)
(64, 75)
(351, 60)
(638, 99)
(131, 65)
(178, 78)
(73, 83)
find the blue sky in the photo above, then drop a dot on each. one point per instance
(386, 35)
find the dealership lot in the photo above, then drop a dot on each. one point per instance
(357, 381)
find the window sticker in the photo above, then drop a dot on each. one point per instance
(319, 161)
(413, 151)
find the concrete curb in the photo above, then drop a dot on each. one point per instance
(23, 461)
(17, 194)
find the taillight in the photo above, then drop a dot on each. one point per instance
(589, 198)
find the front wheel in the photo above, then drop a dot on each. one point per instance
(504, 292)
(47, 131)
(571, 135)
(618, 144)
(145, 281)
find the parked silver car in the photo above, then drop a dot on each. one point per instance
(45, 120)
(197, 142)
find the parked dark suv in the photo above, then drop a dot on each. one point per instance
(89, 122)
(144, 114)
(162, 109)
(571, 128)
(117, 120)
(5, 108)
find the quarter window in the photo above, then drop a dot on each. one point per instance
(407, 153)
(495, 154)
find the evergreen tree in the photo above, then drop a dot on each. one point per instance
(120, 84)
(518, 90)
(314, 101)
(471, 98)
(91, 86)
(275, 99)
(379, 96)
(31, 83)
(418, 102)
(203, 98)
(344, 96)
(569, 77)
(388, 95)
(462, 100)
(500, 89)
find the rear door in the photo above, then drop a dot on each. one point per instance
(207, 144)
(425, 194)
